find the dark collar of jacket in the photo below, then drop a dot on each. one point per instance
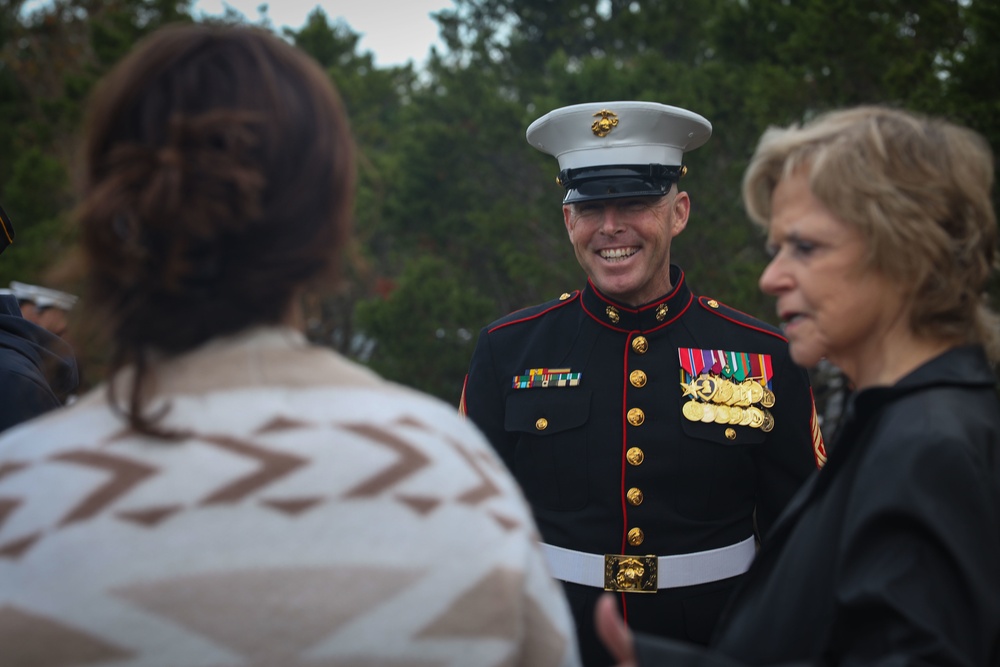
(964, 366)
(649, 317)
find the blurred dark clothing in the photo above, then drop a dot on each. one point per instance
(890, 554)
(37, 368)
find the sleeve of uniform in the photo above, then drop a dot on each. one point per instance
(920, 582)
(482, 398)
(794, 448)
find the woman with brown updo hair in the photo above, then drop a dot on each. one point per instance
(232, 494)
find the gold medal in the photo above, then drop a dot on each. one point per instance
(726, 391)
(746, 417)
(768, 399)
(693, 411)
(768, 422)
(689, 389)
(735, 415)
(742, 392)
(707, 387)
(708, 413)
(756, 391)
(756, 416)
(721, 414)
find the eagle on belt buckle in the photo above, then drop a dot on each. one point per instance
(629, 574)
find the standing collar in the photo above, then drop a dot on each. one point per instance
(646, 318)
(962, 366)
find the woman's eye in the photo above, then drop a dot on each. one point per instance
(803, 247)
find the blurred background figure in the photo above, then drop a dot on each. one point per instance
(46, 307)
(883, 238)
(233, 495)
(37, 369)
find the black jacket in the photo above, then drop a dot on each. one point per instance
(701, 482)
(36, 367)
(890, 555)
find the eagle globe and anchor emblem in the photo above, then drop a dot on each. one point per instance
(602, 126)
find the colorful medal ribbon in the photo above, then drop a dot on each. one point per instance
(546, 377)
(727, 387)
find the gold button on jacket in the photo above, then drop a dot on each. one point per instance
(678, 483)
(635, 456)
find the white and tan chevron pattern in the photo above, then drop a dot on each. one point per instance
(316, 516)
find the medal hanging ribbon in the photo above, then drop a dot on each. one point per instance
(686, 357)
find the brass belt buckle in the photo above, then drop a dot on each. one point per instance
(629, 574)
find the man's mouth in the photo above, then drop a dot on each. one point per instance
(617, 254)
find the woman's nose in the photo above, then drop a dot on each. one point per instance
(774, 279)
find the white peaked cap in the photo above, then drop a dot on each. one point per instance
(617, 133)
(42, 297)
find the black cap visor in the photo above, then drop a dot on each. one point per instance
(6, 230)
(617, 182)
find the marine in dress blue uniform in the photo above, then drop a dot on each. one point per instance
(657, 440)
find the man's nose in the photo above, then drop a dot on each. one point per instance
(610, 220)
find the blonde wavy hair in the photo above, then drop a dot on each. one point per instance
(918, 189)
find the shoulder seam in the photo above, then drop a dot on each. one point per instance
(559, 304)
(703, 301)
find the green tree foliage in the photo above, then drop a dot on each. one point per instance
(50, 61)
(457, 219)
(433, 304)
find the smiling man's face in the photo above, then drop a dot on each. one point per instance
(624, 244)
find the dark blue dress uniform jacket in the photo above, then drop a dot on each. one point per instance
(700, 489)
(890, 555)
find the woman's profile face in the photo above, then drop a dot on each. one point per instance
(830, 304)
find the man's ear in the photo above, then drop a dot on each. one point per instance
(680, 209)
(567, 215)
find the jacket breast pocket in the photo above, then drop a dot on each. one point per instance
(717, 462)
(550, 461)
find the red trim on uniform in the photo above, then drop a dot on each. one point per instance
(703, 299)
(572, 298)
(656, 328)
(461, 402)
(628, 343)
(818, 445)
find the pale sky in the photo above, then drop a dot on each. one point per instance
(395, 31)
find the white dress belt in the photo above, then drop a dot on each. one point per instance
(689, 569)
